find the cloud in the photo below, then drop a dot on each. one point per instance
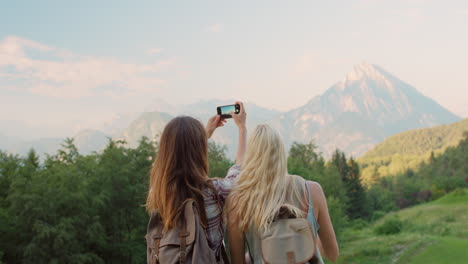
(379, 3)
(27, 65)
(462, 12)
(215, 28)
(153, 51)
(411, 15)
(304, 65)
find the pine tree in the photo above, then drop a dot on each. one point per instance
(356, 192)
(32, 159)
(350, 174)
(431, 158)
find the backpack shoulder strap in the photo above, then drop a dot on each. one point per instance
(301, 184)
(155, 236)
(310, 210)
(310, 203)
(183, 243)
(157, 239)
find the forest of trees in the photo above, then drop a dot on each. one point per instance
(408, 150)
(435, 177)
(71, 208)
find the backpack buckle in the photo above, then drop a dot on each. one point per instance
(182, 257)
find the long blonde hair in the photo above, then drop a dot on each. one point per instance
(264, 185)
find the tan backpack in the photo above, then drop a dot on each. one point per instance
(288, 240)
(185, 244)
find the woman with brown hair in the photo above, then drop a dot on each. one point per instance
(180, 172)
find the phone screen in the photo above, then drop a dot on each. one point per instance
(228, 108)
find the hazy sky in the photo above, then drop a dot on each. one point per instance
(78, 63)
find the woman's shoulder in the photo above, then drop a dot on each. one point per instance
(298, 179)
(317, 194)
(225, 185)
(312, 184)
(315, 188)
(231, 176)
(234, 171)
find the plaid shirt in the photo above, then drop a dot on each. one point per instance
(216, 225)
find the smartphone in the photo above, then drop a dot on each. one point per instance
(224, 110)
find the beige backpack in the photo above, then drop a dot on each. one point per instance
(185, 244)
(288, 240)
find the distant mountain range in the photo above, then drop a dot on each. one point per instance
(367, 106)
(355, 114)
(86, 141)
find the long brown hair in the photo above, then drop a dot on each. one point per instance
(180, 171)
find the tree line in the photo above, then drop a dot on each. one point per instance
(73, 208)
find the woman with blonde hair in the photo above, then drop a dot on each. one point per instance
(263, 188)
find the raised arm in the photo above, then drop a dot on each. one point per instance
(240, 120)
(327, 239)
(213, 123)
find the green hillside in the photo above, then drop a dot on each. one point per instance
(409, 149)
(436, 232)
(420, 141)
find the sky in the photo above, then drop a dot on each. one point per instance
(70, 65)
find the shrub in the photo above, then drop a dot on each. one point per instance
(423, 196)
(376, 215)
(459, 192)
(449, 219)
(389, 227)
(337, 214)
(436, 192)
(359, 224)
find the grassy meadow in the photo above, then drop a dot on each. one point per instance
(435, 232)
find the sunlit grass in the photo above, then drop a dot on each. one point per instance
(436, 232)
(446, 250)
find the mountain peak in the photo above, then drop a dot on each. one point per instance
(364, 70)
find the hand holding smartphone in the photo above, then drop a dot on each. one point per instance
(225, 110)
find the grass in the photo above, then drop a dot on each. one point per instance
(378, 249)
(436, 232)
(446, 250)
